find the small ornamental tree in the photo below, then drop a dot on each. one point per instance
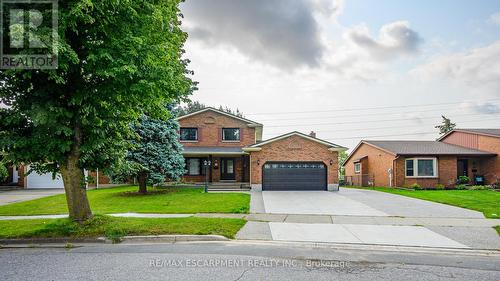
(446, 125)
(155, 155)
(116, 61)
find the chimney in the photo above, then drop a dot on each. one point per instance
(312, 134)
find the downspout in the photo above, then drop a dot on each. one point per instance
(394, 175)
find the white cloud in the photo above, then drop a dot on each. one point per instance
(495, 18)
(477, 68)
(395, 39)
(480, 107)
(282, 33)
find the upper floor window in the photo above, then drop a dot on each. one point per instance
(231, 134)
(357, 168)
(189, 134)
(421, 167)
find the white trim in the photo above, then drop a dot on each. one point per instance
(250, 122)
(250, 149)
(357, 171)
(415, 167)
(300, 135)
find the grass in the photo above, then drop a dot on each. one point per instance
(115, 227)
(124, 199)
(485, 201)
(498, 229)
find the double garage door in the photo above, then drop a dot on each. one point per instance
(294, 176)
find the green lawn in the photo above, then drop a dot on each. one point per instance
(485, 201)
(113, 227)
(116, 200)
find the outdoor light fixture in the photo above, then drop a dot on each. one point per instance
(258, 162)
(331, 162)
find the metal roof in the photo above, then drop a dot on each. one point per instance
(405, 147)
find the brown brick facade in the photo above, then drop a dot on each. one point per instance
(375, 166)
(294, 148)
(210, 126)
(488, 167)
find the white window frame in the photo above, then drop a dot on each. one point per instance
(224, 135)
(358, 170)
(415, 167)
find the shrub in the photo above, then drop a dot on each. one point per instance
(416, 186)
(460, 186)
(477, 187)
(439, 186)
(463, 179)
(4, 173)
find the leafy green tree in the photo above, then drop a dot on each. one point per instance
(342, 157)
(193, 106)
(117, 60)
(155, 156)
(446, 126)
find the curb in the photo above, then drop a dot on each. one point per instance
(64, 240)
(172, 238)
(102, 240)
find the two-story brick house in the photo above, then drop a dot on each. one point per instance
(236, 152)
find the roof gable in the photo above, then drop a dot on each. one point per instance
(249, 122)
(295, 133)
(484, 132)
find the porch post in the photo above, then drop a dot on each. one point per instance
(211, 167)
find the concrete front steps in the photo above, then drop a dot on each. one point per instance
(229, 186)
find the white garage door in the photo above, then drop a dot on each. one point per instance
(36, 180)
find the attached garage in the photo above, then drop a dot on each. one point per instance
(35, 180)
(294, 161)
(294, 176)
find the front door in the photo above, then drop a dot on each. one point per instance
(462, 167)
(227, 169)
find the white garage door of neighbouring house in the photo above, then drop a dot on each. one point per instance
(35, 180)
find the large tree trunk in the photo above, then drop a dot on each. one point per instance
(74, 183)
(142, 178)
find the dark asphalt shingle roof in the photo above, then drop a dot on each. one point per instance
(494, 132)
(212, 149)
(405, 147)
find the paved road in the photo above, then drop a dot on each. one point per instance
(238, 261)
(14, 196)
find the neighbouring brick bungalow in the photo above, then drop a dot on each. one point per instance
(221, 147)
(403, 163)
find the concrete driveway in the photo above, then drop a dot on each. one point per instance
(14, 196)
(357, 202)
(366, 217)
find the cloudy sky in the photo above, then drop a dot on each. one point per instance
(349, 70)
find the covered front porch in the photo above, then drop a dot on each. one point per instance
(477, 169)
(216, 165)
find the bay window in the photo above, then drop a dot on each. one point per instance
(421, 167)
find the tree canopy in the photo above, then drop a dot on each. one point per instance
(193, 106)
(117, 60)
(446, 125)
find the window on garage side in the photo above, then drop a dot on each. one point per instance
(357, 168)
(421, 167)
